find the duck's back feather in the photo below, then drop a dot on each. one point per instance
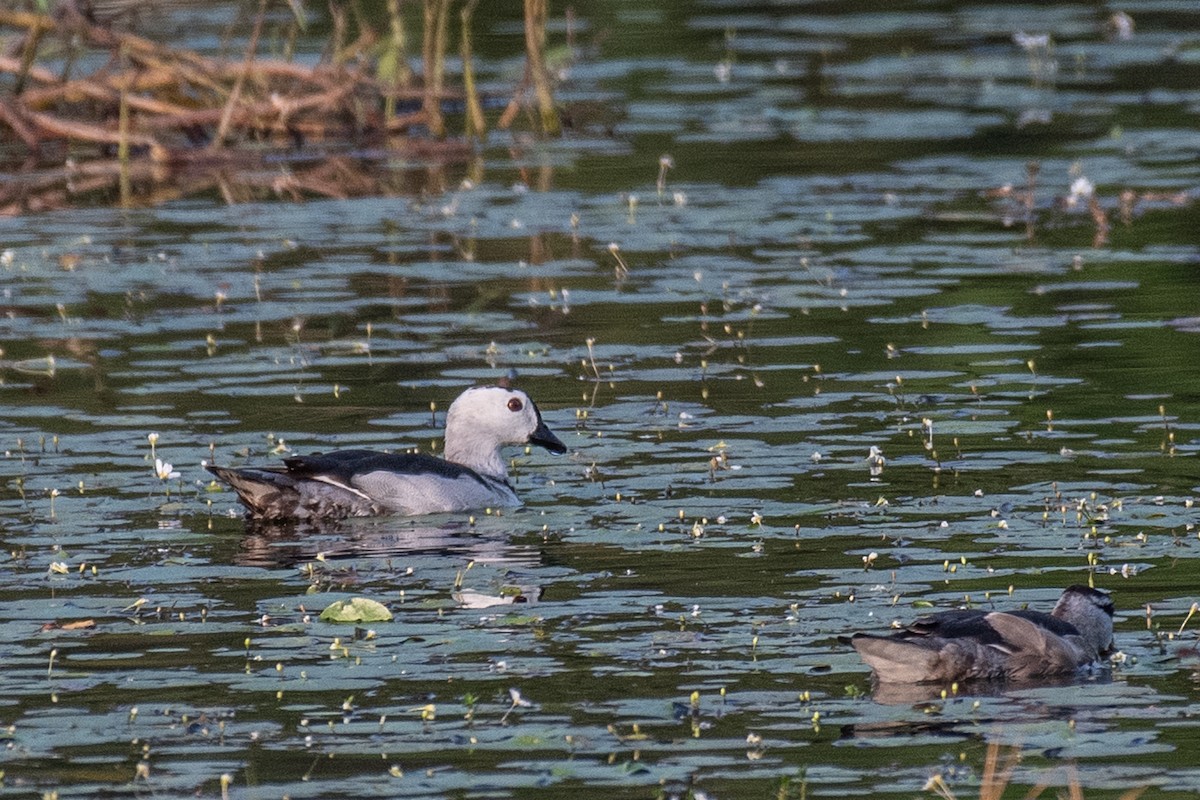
(352, 483)
(973, 623)
(1034, 650)
(919, 660)
(346, 466)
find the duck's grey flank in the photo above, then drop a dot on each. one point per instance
(969, 644)
(366, 482)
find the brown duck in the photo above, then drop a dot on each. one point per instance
(973, 644)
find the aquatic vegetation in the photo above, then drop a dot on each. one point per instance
(356, 609)
(999, 766)
(872, 247)
(162, 109)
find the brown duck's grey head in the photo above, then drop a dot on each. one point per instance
(1090, 611)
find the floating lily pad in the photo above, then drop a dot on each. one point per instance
(356, 609)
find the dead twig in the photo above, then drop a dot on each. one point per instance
(70, 129)
(235, 95)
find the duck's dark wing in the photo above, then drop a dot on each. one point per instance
(974, 624)
(355, 483)
(1033, 650)
(406, 483)
(344, 466)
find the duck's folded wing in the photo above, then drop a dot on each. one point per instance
(955, 623)
(1035, 650)
(407, 483)
(345, 465)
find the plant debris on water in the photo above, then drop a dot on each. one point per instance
(151, 112)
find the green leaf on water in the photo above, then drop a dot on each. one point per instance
(356, 609)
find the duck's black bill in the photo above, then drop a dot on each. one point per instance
(542, 437)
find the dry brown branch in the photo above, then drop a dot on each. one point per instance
(13, 118)
(77, 91)
(70, 129)
(39, 74)
(26, 19)
(171, 116)
(403, 123)
(136, 47)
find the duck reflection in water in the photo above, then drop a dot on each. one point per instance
(996, 649)
(346, 547)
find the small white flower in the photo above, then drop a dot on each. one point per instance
(875, 461)
(1081, 190)
(164, 470)
(1121, 26)
(1031, 41)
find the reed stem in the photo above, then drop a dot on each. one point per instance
(535, 51)
(476, 125)
(434, 52)
(247, 64)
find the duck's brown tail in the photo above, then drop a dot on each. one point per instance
(266, 493)
(899, 660)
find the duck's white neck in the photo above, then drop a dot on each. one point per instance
(481, 454)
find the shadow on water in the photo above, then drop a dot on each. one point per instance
(913, 694)
(288, 545)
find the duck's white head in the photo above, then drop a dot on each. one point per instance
(485, 418)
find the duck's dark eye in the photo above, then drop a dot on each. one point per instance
(515, 404)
